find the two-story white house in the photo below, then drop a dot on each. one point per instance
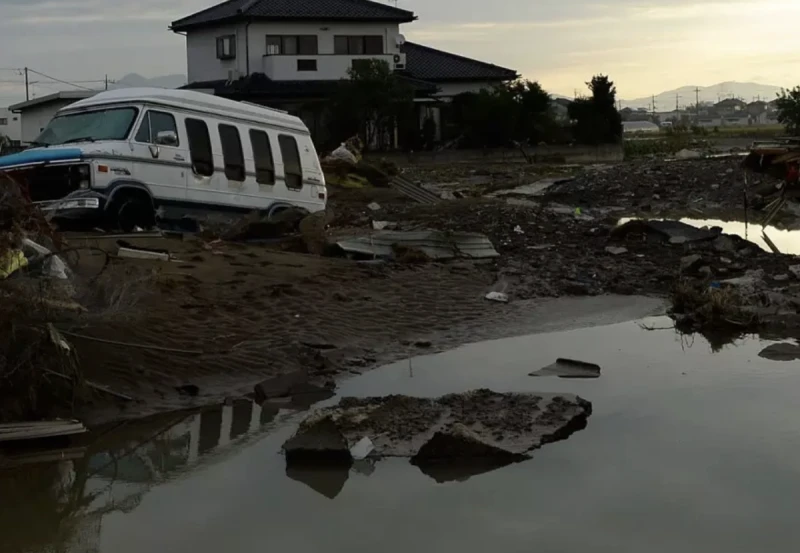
(291, 54)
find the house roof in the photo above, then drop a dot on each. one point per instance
(259, 85)
(430, 64)
(293, 10)
(56, 96)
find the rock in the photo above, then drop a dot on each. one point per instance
(781, 352)
(615, 250)
(678, 240)
(795, 270)
(705, 271)
(459, 442)
(374, 206)
(569, 368)
(724, 244)
(714, 187)
(690, 263)
(319, 440)
(656, 197)
(780, 278)
(727, 261)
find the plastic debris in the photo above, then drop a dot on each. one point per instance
(362, 449)
(497, 296)
(374, 206)
(518, 230)
(11, 262)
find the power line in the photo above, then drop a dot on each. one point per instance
(59, 80)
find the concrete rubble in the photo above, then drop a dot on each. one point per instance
(453, 429)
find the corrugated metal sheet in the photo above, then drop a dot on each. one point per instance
(435, 244)
(411, 190)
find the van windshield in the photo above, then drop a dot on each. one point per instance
(89, 126)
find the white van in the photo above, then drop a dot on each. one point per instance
(126, 157)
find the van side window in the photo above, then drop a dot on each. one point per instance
(262, 155)
(291, 161)
(155, 122)
(232, 152)
(200, 147)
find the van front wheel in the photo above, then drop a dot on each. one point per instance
(131, 211)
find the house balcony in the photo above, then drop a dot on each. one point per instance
(321, 67)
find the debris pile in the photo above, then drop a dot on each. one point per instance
(41, 297)
(436, 434)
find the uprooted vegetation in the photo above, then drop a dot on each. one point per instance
(696, 305)
(48, 291)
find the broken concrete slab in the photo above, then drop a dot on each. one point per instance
(615, 250)
(781, 352)
(454, 427)
(569, 368)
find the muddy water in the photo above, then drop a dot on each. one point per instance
(687, 450)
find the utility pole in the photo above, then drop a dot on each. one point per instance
(27, 88)
(697, 105)
(677, 98)
(653, 105)
(106, 81)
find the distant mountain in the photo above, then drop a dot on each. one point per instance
(134, 80)
(686, 95)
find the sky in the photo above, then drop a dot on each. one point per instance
(645, 46)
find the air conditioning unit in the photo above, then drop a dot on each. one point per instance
(399, 62)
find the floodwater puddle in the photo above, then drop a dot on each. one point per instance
(787, 241)
(688, 447)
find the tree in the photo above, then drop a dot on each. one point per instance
(788, 108)
(596, 118)
(372, 103)
(514, 112)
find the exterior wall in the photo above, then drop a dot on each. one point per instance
(203, 65)
(10, 125)
(201, 54)
(36, 118)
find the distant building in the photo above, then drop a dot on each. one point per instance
(35, 114)
(10, 125)
(632, 127)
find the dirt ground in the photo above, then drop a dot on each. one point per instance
(229, 314)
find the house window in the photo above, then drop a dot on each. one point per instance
(358, 45)
(226, 47)
(3, 121)
(292, 45)
(361, 64)
(306, 65)
(232, 154)
(262, 156)
(293, 172)
(153, 123)
(200, 147)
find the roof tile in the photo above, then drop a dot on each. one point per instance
(341, 10)
(429, 64)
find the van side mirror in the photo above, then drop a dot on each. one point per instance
(167, 138)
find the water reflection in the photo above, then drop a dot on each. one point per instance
(61, 496)
(787, 241)
(686, 451)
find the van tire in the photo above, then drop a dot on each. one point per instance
(130, 210)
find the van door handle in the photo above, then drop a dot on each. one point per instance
(179, 157)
